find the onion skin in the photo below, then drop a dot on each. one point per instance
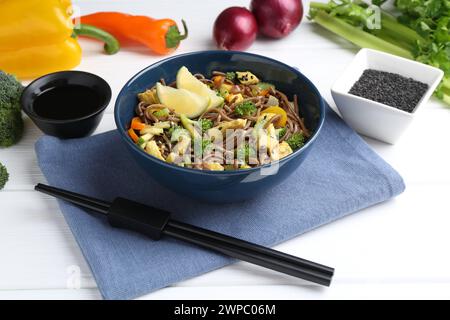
(235, 29)
(277, 18)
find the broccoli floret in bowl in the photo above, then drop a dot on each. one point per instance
(297, 140)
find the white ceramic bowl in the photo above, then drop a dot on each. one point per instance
(375, 119)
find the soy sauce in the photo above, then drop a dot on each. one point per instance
(66, 102)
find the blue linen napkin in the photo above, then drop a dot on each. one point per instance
(341, 175)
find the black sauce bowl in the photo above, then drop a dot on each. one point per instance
(69, 128)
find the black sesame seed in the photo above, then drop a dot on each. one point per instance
(389, 88)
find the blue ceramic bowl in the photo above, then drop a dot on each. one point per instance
(222, 186)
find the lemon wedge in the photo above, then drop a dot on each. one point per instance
(186, 80)
(182, 101)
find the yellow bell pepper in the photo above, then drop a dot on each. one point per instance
(38, 37)
(279, 111)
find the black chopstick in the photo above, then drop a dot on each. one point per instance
(253, 257)
(154, 223)
(252, 246)
(97, 205)
(103, 207)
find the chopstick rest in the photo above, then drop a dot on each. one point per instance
(135, 216)
(154, 223)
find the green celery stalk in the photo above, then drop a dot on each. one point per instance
(401, 31)
(393, 39)
(358, 36)
(398, 32)
(446, 83)
(446, 99)
(391, 30)
(320, 6)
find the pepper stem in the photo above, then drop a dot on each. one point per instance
(112, 45)
(173, 36)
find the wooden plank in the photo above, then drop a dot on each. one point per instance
(40, 250)
(276, 292)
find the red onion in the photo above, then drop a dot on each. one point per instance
(277, 18)
(235, 29)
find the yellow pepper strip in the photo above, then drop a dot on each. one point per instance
(279, 111)
(38, 37)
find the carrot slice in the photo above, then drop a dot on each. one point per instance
(137, 124)
(133, 135)
(218, 80)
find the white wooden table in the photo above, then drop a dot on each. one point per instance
(398, 249)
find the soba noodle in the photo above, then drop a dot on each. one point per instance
(259, 97)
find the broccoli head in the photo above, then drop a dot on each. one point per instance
(296, 141)
(10, 91)
(245, 109)
(11, 124)
(4, 176)
(281, 132)
(230, 75)
(206, 146)
(11, 127)
(206, 124)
